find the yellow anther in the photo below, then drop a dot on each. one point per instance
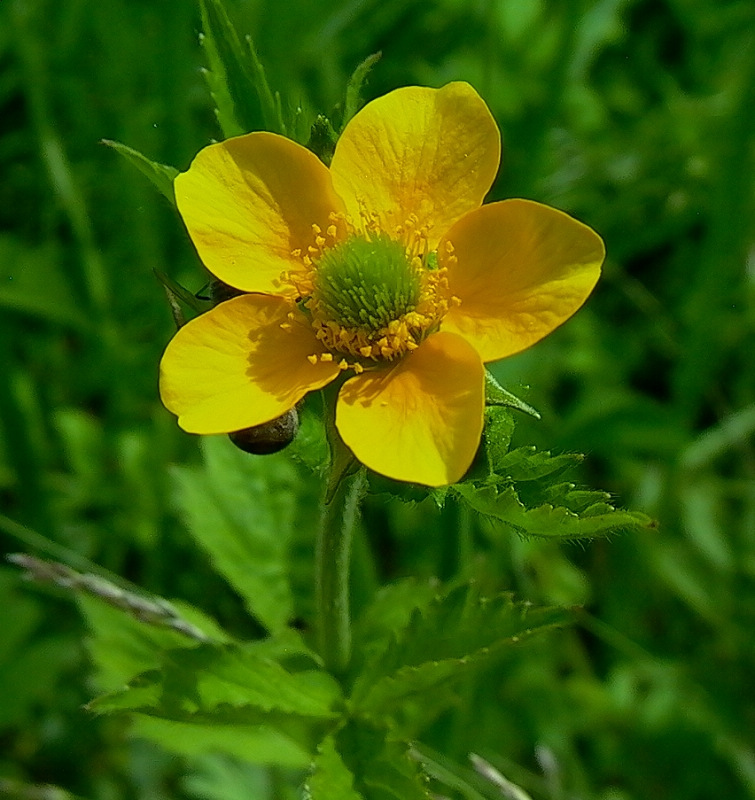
(358, 368)
(365, 351)
(343, 365)
(316, 229)
(296, 253)
(449, 247)
(332, 231)
(312, 359)
(326, 356)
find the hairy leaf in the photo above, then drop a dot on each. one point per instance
(501, 504)
(355, 86)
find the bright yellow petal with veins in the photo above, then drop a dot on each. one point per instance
(521, 269)
(235, 366)
(248, 202)
(429, 152)
(422, 420)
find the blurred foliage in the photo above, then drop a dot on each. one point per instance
(633, 115)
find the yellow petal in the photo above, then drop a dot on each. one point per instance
(249, 202)
(521, 269)
(429, 152)
(235, 366)
(420, 421)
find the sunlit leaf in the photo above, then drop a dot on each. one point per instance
(242, 510)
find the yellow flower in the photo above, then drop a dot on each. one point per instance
(384, 266)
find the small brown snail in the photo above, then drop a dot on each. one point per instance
(270, 437)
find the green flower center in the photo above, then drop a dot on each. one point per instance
(366, 283)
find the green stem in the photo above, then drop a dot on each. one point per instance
(332, 569)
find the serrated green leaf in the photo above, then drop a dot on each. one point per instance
(529, 464)
(223, 679)
(502, 504)
(444, 639)
(331, 779)
(382, 767)
(160, 175)
(243, 99)
(242, 510)
(235, 686)
(388, 615)
(581, 501)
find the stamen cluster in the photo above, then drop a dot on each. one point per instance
(370, 297)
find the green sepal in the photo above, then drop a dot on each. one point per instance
(160, 175)
(322, 139)
(177, 292)
(354, 87)
(496, 395)
(243, 99)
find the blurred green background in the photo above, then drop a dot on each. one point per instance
(637, 117)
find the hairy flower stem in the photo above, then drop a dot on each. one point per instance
(332, 570)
